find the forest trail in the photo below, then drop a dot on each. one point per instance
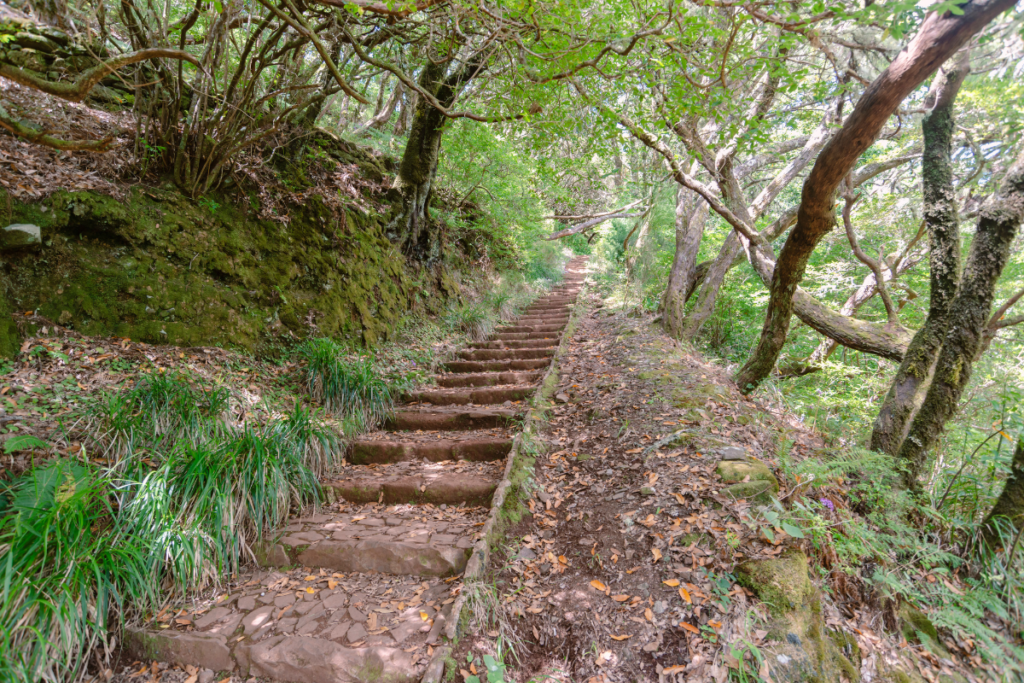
(363, 589)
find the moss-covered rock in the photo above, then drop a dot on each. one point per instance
(736, 471)
(160, 268)
(918, 628)
(757, 491)
(804, 649)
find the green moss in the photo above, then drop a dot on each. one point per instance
(735, 471)
(918, 628)
(158, 268)
(782, 584)
(10, 340)
(756, 491)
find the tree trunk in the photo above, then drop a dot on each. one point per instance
(691, 215)
(941, 220)
(940, 36)
(1010, 504)
(412, 228)
(968, 317)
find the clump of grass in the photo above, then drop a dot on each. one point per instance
(475, 320)
(65, 566)
(347, 385)
(160, 409)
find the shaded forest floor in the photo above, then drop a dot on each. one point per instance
(637, 560)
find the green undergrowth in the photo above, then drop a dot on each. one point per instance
(908, 553)
(186, 488)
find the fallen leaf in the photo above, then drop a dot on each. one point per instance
(674, 669)
(620, 598)
(598, 585)
(649, 615)
(685, 595)
(688, 627)
(671, 583)
(656, 553)
(621, 638)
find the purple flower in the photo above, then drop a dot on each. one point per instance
(828, 503)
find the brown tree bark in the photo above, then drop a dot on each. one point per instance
(968, 318)
(1010, 504)
(691, 216)
(939, 37)
(942, 223)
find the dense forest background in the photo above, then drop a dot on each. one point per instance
(822, 197)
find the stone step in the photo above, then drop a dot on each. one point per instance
(543, 319)
(419, 482)
(488, 379)
(461, 419)
(383, 450)
(549, 307)
(462, 396)
(459, 366)
(511, 336)
(506, 354)
(516, 344)
(530, 329)
(354, 540)
(268, 625)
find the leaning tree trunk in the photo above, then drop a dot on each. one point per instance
(1010, 504)
(939, 37)
(941, 220)
(691, 215)
(968, 318)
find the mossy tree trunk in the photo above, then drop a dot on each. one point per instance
(412, 228)
(968, 318)
(942, 224)
(1010, 504)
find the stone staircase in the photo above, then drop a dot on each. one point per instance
(361, 592)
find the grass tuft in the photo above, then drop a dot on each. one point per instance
(349, 386)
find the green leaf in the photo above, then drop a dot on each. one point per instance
(490, 663)
(23, 442)
(769, 534)
(792, 530)
(473, 679)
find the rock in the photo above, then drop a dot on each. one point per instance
(561, 397)
(526, 554)
(206, 676)
(272, 555)
(356, 633)
(918, 628)
(586, 542)
(583, 457)
(19, 235)
(256, 619)
(660, 606)
(247, 603)
(733, 453)
(390, 557)
(646, 491)
(734, 472)
(756, 491)
(198, 649)
(312, 660)
(214, 615)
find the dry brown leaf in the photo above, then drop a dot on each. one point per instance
(620, 598)
(685, 595)
(656, 553)
(598, 585)
(671, 583)
(621, 638)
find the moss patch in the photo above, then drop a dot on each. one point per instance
(161, 268)
(735, 471)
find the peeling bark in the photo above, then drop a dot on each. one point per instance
(968, 317)
(939, 37)
(942, 223)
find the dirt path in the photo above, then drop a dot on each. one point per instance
(627, 568)
(365, 587)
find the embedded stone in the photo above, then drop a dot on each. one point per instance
(197, 649)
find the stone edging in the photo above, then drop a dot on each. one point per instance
(478, 561)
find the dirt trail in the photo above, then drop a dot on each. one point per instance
(645, 515)
(374, 576)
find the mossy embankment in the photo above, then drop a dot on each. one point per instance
(159, 267)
